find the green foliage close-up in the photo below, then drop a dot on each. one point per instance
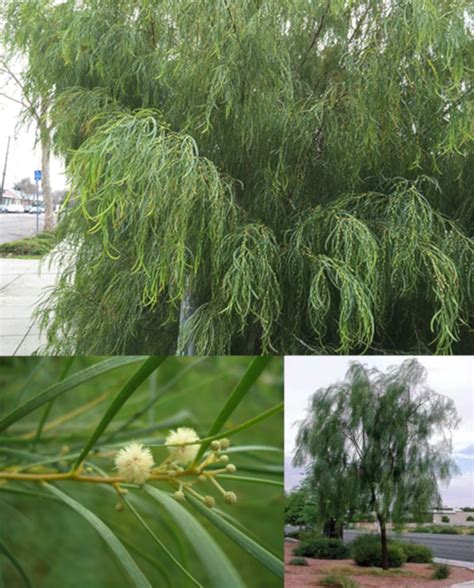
(71, 517)
(254, 177)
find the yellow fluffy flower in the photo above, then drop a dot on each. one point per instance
(134, 463)
(178, 449)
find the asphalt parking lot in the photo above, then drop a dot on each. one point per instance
(15, 226)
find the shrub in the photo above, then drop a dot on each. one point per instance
(416, 553)
(298, 561)
(367, 551)
(445, 519)
(322, 548)
(446, 530)
(470, 518)
(441, 572)
(438, 529)
(292, 534)
(338, 581)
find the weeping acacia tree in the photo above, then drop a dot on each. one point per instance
(285, 176)
(368, 441)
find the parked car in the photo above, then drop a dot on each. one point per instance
(3, 208)
(37, 209)
(13, 207)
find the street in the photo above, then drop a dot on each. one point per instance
(458, 547)
(15, 226)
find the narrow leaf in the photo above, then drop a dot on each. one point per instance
(64, 386)
(133, 383)
(253, 548)
(219, 569)
(124, 558)
(248, 379)
(16, 563)
(161, 544)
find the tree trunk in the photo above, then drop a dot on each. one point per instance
(185, 312)
(332, 529)
(383, 535)
(45, 183)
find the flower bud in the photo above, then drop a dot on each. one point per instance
(230, 497)
(209, 501)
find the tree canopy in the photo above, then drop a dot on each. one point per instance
(377, 442)
(300, 172)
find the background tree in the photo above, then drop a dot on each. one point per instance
(370, 444)
(25, 186)
(299, 507)
(296, 174)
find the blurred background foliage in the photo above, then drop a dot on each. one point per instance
(57, 547)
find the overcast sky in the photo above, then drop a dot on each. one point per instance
(23, 157)
(451, 376)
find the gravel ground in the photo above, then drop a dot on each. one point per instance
(305, 576)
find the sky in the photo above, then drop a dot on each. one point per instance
(451, 376)
(23, 157)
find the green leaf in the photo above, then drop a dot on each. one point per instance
(16, 563)
(248, 379)
(66, 385)
(253, 548)
(219, 569)
(161, 544)
(262, 416)
(49, 406)
(133, 383)
(129, 565)
(251, 480)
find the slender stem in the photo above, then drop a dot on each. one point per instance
(78, 477)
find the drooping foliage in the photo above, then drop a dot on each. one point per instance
(377, 442)
(300, 169)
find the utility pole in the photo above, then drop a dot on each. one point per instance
(5, 168)
(37, 179)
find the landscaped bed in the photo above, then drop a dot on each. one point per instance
(30, 247)
(408, 576)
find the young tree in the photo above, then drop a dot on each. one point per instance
(369, 443)
(284, 176)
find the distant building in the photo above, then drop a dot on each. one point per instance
(17, 197)
(455, 516)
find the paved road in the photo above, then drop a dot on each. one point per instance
(458, 547)
(15, 226)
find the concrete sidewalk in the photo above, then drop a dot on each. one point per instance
(22, 284)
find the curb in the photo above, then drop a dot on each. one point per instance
(459, 564)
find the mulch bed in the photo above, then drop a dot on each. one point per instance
(302, 576)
